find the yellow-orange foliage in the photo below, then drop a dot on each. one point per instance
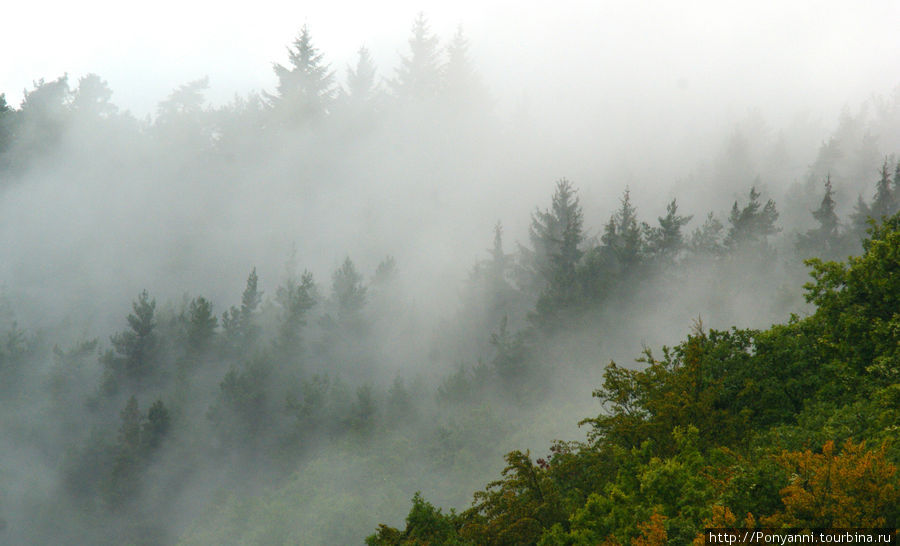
(723, 518)
(653, 532)
(855, 488)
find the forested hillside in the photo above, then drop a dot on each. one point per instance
(277, 320)
(794, 426)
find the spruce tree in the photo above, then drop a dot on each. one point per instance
(418, 76)
(884, 203)
(622, 234)
(824, 240)
(305, 88)
(361, 84)
(461, 81)
(556, 235)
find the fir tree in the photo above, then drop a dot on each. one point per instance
(418, 76)
(556, 234)
(885, 201)
(824, 239)
(462, 83)
(305, 88)
(622, 234)
(361, 84)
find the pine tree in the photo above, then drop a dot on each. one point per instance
(134, 351)
(124, 476)
(348, 291)
(240, 324)
(155, 427)
(666, 241)
(201, 327)
(306, 88)
(295, 299)
(752, 224)
(707, 239)
(418, 76)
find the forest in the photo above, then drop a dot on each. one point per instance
(365, 308)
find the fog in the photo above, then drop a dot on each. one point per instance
(399, 294)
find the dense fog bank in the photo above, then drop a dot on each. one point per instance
(241, 322)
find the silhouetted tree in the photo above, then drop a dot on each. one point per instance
(622, 235)
(124, 477)
(462, 83)
(240, 325)
(348, 291)
(752, 224)
(418, 76)
(295, 299)
(134, 352)
(201, 326)
(556, 234)
(885, 201)
(305, 88)
(824, 240)
(155, 428)
(91, 99)
(361, 85)
(707, 239)
(666, 241)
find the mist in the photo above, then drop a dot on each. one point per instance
(267, 306)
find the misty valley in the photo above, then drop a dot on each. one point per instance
(388, 306)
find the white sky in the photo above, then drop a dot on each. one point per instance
(767, 53)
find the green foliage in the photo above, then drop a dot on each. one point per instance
(751, 225)
(825, 239)
(132, 361)
(348, 291)
(295, 299)
(556, 236)
(726, 425)
(201, 328)
(623, 237)
(665, 241)
(139, 438)
(425, 525)
(240, 325)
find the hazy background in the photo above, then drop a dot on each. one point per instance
(698, 102)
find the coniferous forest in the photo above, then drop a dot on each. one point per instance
(379, 305)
